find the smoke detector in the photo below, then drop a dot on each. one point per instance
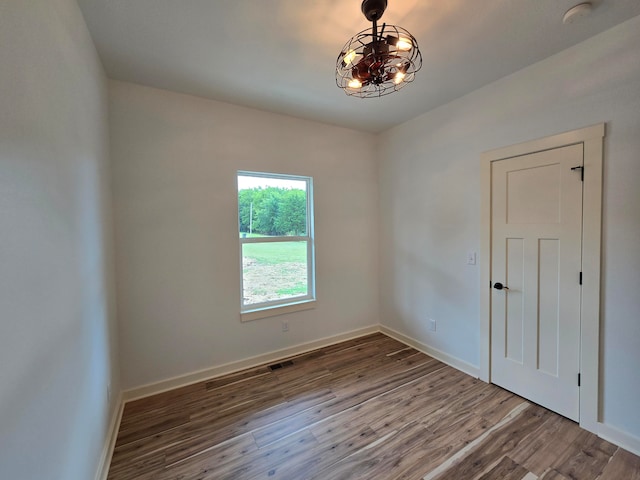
(576, 13)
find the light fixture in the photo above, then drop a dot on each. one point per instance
(375, 63)
(576, 12)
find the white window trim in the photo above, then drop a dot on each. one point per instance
(290, 304)
(250, 315)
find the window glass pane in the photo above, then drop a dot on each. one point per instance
(273, 271)
(272, 206)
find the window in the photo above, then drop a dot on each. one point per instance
(275, 219)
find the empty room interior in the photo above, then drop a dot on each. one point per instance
(331, 239)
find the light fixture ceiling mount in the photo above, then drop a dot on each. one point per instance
(577, 12)
(377, 62)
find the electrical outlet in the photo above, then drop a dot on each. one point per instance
(432, 325)
(285, 326)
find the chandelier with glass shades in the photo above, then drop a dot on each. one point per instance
(377, 62)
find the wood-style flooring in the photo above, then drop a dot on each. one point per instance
(369, 408)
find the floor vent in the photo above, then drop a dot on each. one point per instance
(276, 366)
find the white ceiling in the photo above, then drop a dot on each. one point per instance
(279, 55)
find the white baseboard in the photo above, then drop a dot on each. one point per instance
(110, 440)
(212, 372)
(433, 352)
(622, 439)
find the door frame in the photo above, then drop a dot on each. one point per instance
(592, 139)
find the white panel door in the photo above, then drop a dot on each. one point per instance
(536, 250)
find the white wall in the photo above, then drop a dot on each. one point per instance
(57, 315)
(430, 202)
(177, 258)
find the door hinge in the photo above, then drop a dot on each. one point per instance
(579, 379)
(580, 278)
(581, 168)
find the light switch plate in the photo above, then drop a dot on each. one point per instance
(471, 258)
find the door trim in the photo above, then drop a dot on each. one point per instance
(592, 139)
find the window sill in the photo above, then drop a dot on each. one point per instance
(275, 311)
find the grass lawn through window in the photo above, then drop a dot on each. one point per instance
(274, 270)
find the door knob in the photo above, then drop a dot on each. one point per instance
(499, 286)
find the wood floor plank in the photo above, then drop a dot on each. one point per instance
(507, 469)
(347, 421)
(203, 467)
(348, 398)
(553, 475)
(454, 405)
(429, 410)
(267, 460)
(341, 445)
(220, 454)
(151, 426)
(207, 432)
(586, 457)
(494, 403)
(546, 445)
(369, 408)
(378, 459)
(623, 465)
(443, 443)
(237, 378)
(234, 393)
(359, 355)
(137, 467)
(206, 461)
(161, 400)
(384, 376)
(355, 342)
(497, 444)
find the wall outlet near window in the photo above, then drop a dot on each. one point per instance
(432, 325)
(285, 326)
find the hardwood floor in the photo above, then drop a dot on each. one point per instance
(370, 408)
